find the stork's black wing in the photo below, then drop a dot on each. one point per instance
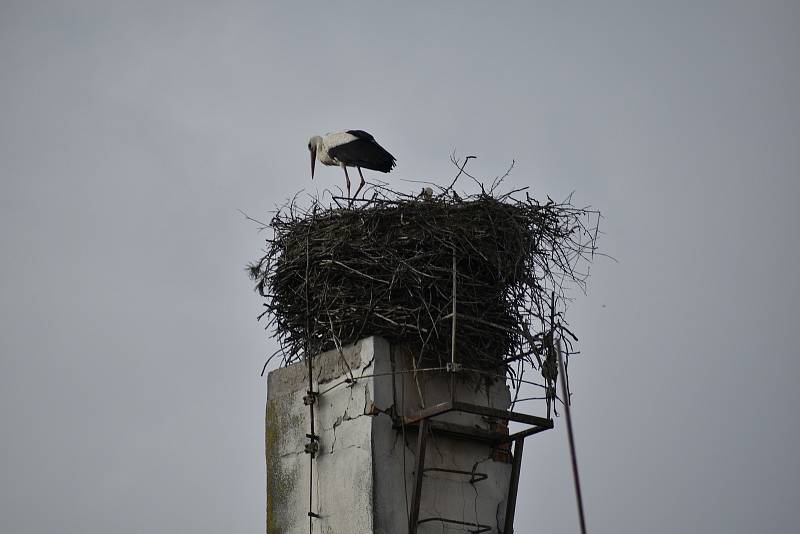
(363, 152)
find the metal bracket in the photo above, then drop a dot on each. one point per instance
(310, 398)
(535, 424)
(312, 447)
(454, 367)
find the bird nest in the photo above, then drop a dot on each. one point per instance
(404, 267)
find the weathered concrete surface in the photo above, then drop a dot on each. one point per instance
(363, 474)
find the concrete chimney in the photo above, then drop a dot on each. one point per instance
(361, 478)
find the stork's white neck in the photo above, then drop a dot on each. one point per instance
(321, 149)
(316, 142)
(317, 145)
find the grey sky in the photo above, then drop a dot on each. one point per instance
(130, 399)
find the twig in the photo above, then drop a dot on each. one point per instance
(460, 171)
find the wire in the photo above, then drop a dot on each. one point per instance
(373, 375)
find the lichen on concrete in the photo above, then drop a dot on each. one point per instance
(282, 477)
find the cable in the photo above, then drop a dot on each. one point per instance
(568, 415)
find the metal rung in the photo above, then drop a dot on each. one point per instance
(478, 527)
(473, 475)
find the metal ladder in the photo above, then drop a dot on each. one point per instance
(425, 423)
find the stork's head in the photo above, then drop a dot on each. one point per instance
(313, 145)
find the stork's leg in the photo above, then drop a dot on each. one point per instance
(346, 177)
(362, 182)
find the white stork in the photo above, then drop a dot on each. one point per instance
(353, 148)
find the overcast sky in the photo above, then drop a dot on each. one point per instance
(131, 132)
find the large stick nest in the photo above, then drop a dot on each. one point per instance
(335, 273)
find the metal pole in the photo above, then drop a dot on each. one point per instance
(310, 393)
(511, 501)
(453, 333)
(418, 474)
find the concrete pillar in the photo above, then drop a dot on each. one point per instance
(363, 473)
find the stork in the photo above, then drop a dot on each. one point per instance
(353, 148)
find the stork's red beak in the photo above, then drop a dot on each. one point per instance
(313, 161)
